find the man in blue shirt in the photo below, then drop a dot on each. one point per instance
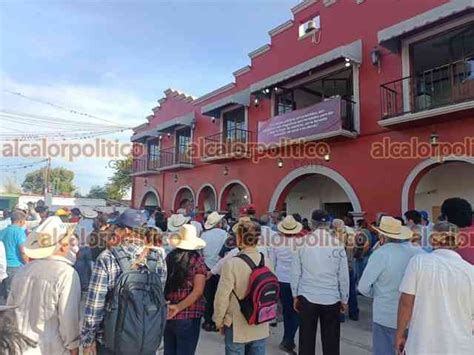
(13, 238)
(382, 278)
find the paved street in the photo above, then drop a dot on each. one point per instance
(356, 337)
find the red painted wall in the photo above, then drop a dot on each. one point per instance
(377, 183)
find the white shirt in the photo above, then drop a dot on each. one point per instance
(3, 263)
(48, 294)
(282, 255)
(215, 239)
(198, 227)
(443, 285)
(320, 272)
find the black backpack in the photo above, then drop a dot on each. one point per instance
(136, 309)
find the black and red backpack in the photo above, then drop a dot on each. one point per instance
(261, 301)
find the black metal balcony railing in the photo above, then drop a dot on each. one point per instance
(442, 86)
(234, 142)
(165, 158)
(347, 114)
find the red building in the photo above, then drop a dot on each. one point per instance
(376, 99)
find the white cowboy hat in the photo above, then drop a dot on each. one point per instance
(392, 228)
(43, 241)
(186, 238)
(88, 212)
(181, 211)
(289, 225)
(212, 220)
(175, 221)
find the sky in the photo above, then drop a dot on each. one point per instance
(113, 60)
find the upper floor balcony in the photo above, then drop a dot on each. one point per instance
(167, 159)
(233, 143)
(437, 91)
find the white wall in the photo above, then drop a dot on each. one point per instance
(452, 179)
(313, 192)
(64, 201)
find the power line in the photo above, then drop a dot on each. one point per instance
(73, 111)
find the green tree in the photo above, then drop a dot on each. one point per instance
(98, 192)
(61, 181)
(10, 186)
(121, 181)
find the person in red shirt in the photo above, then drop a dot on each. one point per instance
(459, 212)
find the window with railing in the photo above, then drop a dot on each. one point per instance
(297, 95)
(153, 153)
(442, 70)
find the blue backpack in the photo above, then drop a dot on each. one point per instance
(136, 309)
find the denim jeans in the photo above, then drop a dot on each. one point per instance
(359, 266)
(6, 284)
(383, 340)
(256, 347)
(353, 304)
(182, 336)
(290, 317)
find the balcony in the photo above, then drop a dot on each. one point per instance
(332, 117)
(229, 145)
(168, 159)
(438, 91)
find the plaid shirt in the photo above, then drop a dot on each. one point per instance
(104, 277)
(196, 310)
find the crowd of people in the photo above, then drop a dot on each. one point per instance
(125, 283)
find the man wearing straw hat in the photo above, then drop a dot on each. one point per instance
(175, 221)
(437, 300)
(381, 280)
(215, 237)
(282, 257)
(47, 290)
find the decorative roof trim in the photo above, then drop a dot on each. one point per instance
(215, 92)
(139, 127)
(214, 108)
(302, 5)
(284, 26)
(259, 51)
(389, 37)
(352, 51)
(328, 3)
(186, 119)
(149, 117)
(242, 70)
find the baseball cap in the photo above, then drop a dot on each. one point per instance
(320, 216)
(130, 218)
(424, 215)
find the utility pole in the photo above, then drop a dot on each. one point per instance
(47, 187)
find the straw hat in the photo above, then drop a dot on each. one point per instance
(212, 220)
(43, 241)
(88, 212)
(392, 228)
(242, 220)
(187, 238)
(175, 221)
(289, 225)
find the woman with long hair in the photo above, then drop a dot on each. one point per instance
(184, 289)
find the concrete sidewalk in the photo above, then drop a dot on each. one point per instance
(356, 337)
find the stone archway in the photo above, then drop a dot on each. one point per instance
(184, 197)
(234, 194)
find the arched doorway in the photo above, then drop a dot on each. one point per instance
(207, 198)
(306, 189)
(184, 198)
(150, 200)
(233, 196)
(431, 182)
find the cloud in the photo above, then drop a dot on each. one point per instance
(117, 106)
